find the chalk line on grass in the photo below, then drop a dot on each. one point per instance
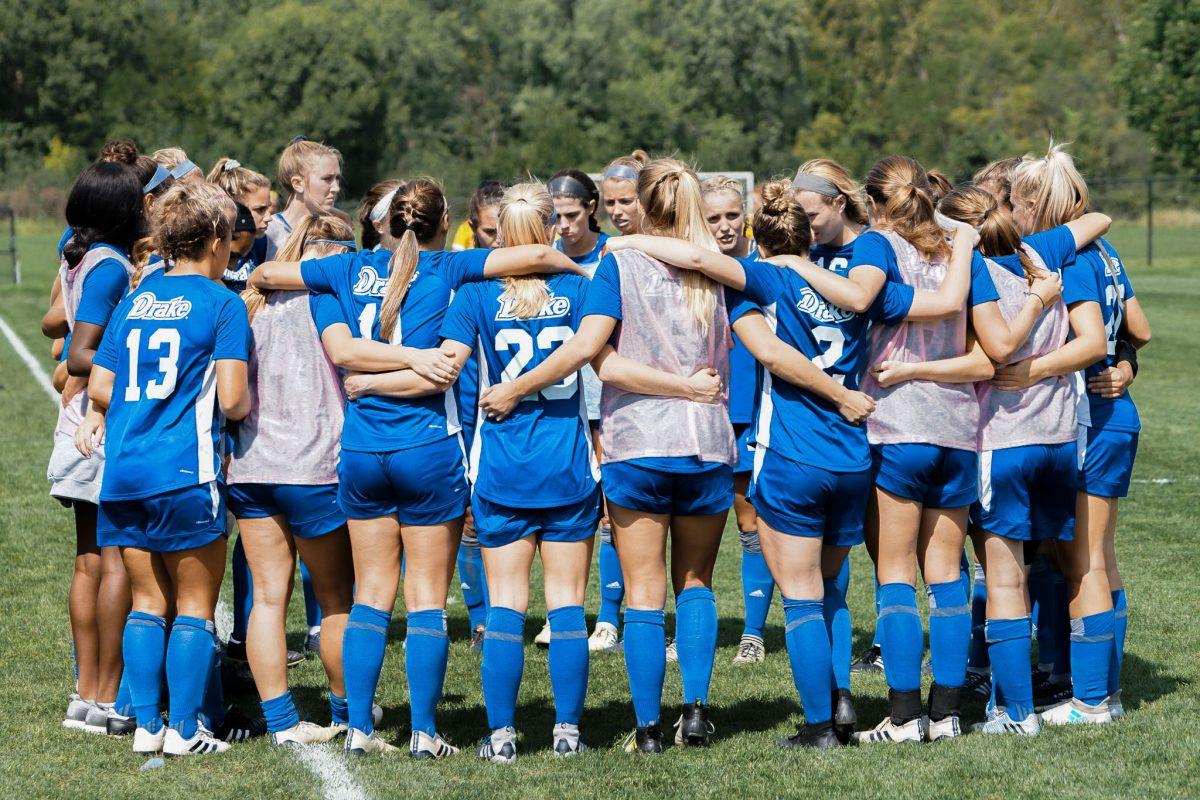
(39, 374)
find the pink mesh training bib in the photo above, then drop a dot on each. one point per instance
(925, 412)
(294, 427)
(1045, 412)
(656, 330)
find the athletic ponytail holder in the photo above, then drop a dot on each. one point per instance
(380, 209)
(231, 165)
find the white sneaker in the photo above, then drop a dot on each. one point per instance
(948, 728)
(604, 638)
(423, 746)
(376, 718)
(1076, 711)
(751, 650)
(304, 733)
(201, 743)
(888, 731)
(360, 744)
(499, 747)
(1115, 707)
(77, 712)
(672, 651)
(542, 640)
(147, 743)
(1002, 723)
(566, 740)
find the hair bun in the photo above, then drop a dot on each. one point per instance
(776, 197)
(121, 151)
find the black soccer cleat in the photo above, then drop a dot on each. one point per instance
(871, 660)
(238, 727)
(646, 740)
(844, 716)
(820, 736)
(693, 727)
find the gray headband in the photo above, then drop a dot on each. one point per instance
(565, 184)
(815, 183)
(620, 172)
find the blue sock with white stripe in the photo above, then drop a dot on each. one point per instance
(568, 662)
(190, 651)
(949, 632)
(1009, 643)
(425, 665)
(473, 584)
(339, 711)
(243, 591)
(280, 713)
(144, 648)
(362, 660)
(977, 655)
(312, 609)
(1120, 624)
(645, 661)
(901, 636)
(837, 624)
(696, 640)
(1091, 656)
(612, 584)
(503, 663)
(808, 652)
(757, 584)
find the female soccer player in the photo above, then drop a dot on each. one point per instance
(576, 201)
(619, 185)
(171, 366)
(177, 163)
(401, 480)
(283, 486)
(252, 190)
(311, 172)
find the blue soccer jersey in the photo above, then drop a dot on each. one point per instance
(358, 281)
(103, 289)
(894, 300)
(162, 343)
(541, 455)
(743, 377)
(792, 421)
(836, 259)
(591, 258)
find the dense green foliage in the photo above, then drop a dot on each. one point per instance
(477, 88)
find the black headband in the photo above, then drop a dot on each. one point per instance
(565, 184)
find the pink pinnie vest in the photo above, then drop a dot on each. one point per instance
(925, 412)
(656, 330)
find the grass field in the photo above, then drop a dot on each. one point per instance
(1153, 752)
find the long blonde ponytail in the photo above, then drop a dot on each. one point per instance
(525, 211)
(415, 217)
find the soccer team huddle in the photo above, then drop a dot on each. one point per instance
(895, 362)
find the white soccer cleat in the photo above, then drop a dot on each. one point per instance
(77, 713)
(422, 746)
(304, 733)
(566, 740)
(1077, 712)
(201, 743)
(361, 744)
(500, 746)
(948, 728)
(604, 638)
(1002, 723)
(672, 651)
(147, 743)
(751, 650)
(887, 731)
(542, 640)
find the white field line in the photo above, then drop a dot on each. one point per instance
(331, 773)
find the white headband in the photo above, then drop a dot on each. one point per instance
(380, 209)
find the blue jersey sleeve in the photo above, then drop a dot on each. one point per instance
(106, 354)
(423, 311)
(764, 281)
(1080, 279)
(892, 304)
(103, 288)
(1056, 247)
(983, 288)
(325, 311)
(739, 305)
(324, 275)
(463, 266)
(232, 331)
(461, 323)
(872, 250)
(604, 292)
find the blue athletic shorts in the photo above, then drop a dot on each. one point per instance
(181, 519)
(929, 474)
(497, 525)
(654, 491)
(745, 453)
(309, 510)
(1028, 493)
(1106, 459)
(803, 500)
(424, 485)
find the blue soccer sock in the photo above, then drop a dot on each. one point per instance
(312, 609)
(280, 713)
(612, 584)
(808, 652)
(1120, 624)
(473, 582)
(877, 637)
(425, 665)
(339, 711)
(362, 660)
(837, 625)
(696, 640)
(144, 648)
(977, 655)
(645, 661)
(503, 663)
(212, 711)
(123, 704)
(1047, 592)
(243, 591)
(949, 632)
(901, 636)
(190, 651)
(757, 584)
(1091, 656)
(568, 662)
(1008, 647)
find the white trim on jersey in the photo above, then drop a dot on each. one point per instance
(766, 407)
(593, 462)
(477, 441)
(215, 495)
(1081, 446)
(205, 410)
(985, 480)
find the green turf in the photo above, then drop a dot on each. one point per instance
(1152, 753)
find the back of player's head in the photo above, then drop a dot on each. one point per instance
(525, 213)
(939, 185)
(299, 157)
(120, 150)
(236, 180)
(317, 236)
(780, 224)
(996, 178)
(998, 234)
(839, 188)
(576, 184)
(370, 211)
(899, 188)
(416, 216)
(104, 205)
(176, 162)
(1051, 186)
(486, 195)
(189, 217)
